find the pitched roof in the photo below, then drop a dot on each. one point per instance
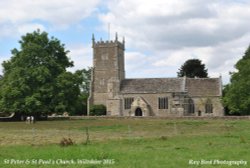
(152, 85)
(193, 86)
(203, 86)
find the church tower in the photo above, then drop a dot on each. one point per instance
(108, 70)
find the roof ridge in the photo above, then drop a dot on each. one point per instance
(202, 78)
(152, 78)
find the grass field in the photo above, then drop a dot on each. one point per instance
(126, 143)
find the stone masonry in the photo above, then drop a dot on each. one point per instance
(148, 96)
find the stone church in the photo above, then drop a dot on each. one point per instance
(148, 96)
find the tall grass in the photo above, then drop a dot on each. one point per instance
(132, 143)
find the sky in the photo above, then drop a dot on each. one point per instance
(160, 35)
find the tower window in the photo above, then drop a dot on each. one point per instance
(102, 81)
(105, 56)
(127, 102)
(162, 103)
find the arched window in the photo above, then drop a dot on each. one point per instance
(190, 106)
(209, 106)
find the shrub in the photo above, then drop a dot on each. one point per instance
(163, 138)
(66, 142)
(97, 110)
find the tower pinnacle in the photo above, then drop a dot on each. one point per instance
(123, 40)
(93, 39)
(116, 36)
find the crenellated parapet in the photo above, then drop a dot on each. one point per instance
(108, 43)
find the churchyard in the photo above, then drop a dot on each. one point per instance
(130, 142)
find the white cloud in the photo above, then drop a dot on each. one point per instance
(56, 11)
(23, 29)
(217, 32)
(81, 55)
(58, 14)
(160, 35)
(19, 17)
(2, 58)
(135, 63)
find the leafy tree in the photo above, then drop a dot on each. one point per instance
(85, 76)
(193, 68)
(237, 93)
(35, 79)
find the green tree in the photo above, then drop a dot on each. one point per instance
(237, 93)
(193, 68)
(85, 76)
(35, 79)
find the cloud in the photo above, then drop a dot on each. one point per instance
(217, 32)
(135, 63)
(177, 24)
(2, 58)
(160, 35)
(19, 17)
(81, 55)
(58, 14)
(22, 29)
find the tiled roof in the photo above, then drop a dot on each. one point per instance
(194, 86)
(203, 86)
(152, 85)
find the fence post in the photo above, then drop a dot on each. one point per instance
(87, 135)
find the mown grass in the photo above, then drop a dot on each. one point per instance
(128, 142)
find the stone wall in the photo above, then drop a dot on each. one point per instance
(114, 107)
(152, 100)
(100, 98)
(108, 63)
(200, 102)
(109, 87)
(173, 110)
